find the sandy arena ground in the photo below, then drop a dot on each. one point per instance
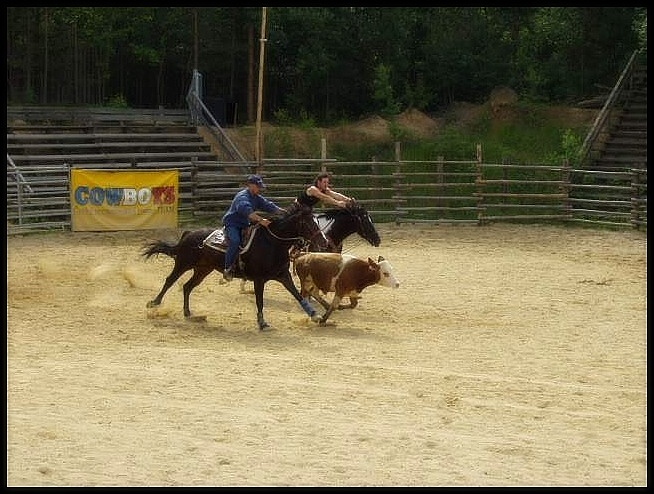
(512, 355)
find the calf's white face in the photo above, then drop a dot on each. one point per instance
(386, 275)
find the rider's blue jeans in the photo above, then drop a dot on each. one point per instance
(234, 235)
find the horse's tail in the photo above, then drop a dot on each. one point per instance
(160, 247)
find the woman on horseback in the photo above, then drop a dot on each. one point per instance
(321, 191)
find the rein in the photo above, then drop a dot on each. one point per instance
(290, 239)
(359, 241)
(331, 219)
(283, 239)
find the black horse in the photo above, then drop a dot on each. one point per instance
(339, 223)
(267, 257)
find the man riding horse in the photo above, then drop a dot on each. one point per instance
(241, 214)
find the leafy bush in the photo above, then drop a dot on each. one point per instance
(117, 101)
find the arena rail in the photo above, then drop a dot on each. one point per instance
(401, 191)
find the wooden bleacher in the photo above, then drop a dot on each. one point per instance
(103, 137)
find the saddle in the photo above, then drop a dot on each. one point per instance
(217, 240)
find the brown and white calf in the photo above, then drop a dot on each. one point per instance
(343, 274)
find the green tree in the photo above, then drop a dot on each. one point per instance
(322, 63)
(383, 92)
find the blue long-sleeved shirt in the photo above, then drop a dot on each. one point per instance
(244, 204)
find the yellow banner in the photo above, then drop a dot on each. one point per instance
(103, 200)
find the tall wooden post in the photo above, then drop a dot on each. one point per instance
(195, 38)
(480, 187)
(398, 183)
(262, 40)
(323, 154)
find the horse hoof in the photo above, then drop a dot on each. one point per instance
(265, 328)
(196, 318)
(151, 304)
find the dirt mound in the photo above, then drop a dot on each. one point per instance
(571, 116)
(463, 114)
(419, 123)
(374, 127)
(502, 97)
(501, 107)
(377, 128)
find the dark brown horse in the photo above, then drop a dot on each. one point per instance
(339, 223)
(267, 257)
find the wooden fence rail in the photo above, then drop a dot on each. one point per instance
(433, 192)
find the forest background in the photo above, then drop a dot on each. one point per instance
(321, 63)
(330, 66)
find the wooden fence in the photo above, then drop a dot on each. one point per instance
(400, 191)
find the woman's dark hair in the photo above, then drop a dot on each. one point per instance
(320, 176)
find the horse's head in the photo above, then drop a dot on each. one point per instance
(299, 222)
(365, 226)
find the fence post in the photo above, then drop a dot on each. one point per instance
(69, 174)
(440, 179)
(398, 182)
(194, 181)
(565, 189)
(505, 176)
(376, 181)
(480, 187)
(19, 197)
(635, 202)
(323, 154)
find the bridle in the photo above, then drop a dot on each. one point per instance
(303, 225)
(364, 225)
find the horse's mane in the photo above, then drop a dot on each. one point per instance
(292, 211)
(291, 214)
(352, 208)
(332, 214)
